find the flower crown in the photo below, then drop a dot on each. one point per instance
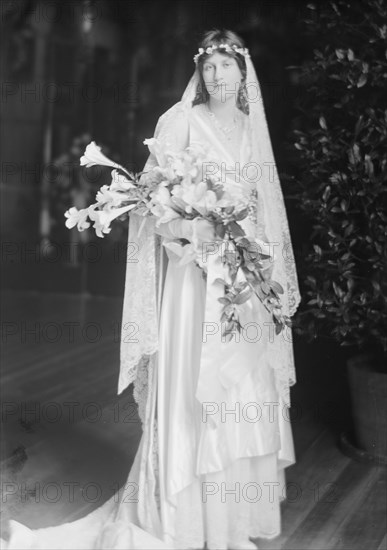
(210, 50)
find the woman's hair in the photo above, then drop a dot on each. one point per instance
(215, 38)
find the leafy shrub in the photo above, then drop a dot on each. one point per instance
(340, 184)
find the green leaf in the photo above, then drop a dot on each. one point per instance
(276, 287)
(220, 230)
(241, 216)
(369, 166)
(322, 122)
(230, 256)
(359, 125)
(362, 81)
(242, 297)
(224, 317)
(236, 230)
(242, 242)
(265, 287)
(340, 53)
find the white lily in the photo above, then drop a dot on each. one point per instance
(185, 169)
(155, 148)
(161, 206)
(102, 218)
(94, 157)
(120, 182)
(194, 196)
(77, 218)
(167, 173)
(111, 198)
(162, 195)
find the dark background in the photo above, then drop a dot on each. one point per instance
(106, 70)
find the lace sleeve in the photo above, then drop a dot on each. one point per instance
(143, 282)
(172, 128)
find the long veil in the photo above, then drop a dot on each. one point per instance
(144, 273)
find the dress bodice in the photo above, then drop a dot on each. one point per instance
(231, 159)
(232, 153)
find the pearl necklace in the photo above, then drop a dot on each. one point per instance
(226, 130)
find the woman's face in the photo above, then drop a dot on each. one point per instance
(222, 77)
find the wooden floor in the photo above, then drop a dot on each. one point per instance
(68, 440)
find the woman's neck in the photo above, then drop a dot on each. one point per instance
(223, 110)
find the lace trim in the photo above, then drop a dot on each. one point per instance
(139, 332)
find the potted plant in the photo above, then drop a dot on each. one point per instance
(340, 184)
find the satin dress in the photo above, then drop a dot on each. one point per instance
(223, 483)
(224, 436)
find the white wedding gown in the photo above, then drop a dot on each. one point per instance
(217, 483)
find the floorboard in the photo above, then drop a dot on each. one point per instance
(76, 432)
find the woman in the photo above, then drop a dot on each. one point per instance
(216, 436)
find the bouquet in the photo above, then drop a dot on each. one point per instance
(179, 187)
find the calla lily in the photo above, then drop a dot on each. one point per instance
(94, 157)
(77, 218)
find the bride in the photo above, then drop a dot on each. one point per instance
(216, 439)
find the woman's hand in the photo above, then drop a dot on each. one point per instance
(184, 229)
(205, 231)
(175, 229)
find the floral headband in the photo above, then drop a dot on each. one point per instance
(210, 50)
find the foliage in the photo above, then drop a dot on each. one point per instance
(342, 173)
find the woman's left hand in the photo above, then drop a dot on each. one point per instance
(205, 231)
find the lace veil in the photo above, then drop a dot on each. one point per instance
(146, 259)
